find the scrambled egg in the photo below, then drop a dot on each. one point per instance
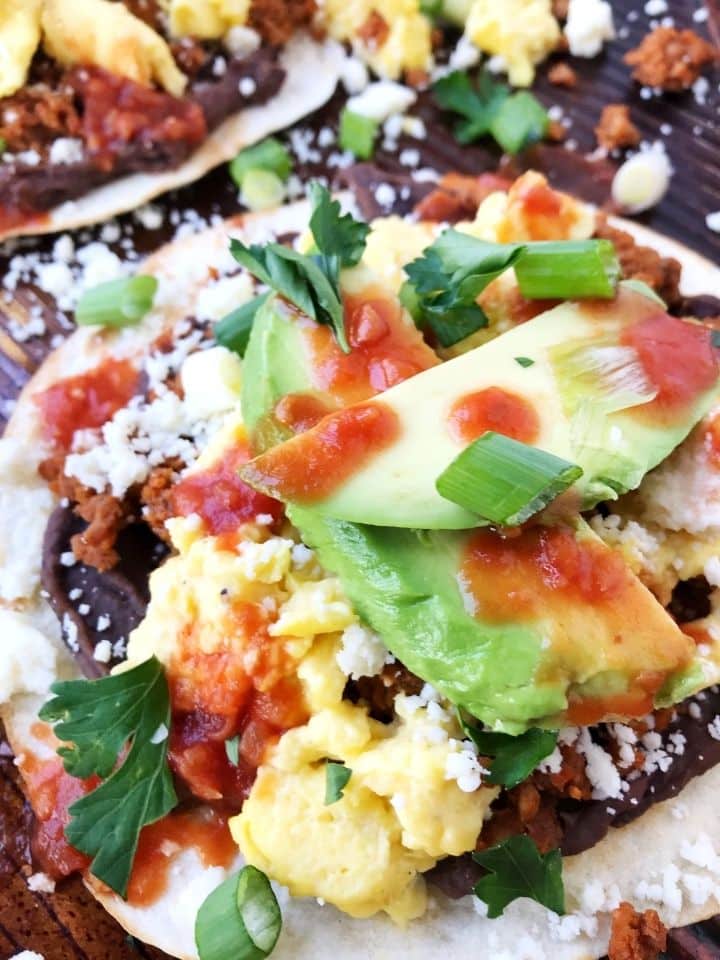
(399, 814)
(403, 807)
(19, 39)
(208, 19)
(108, 35)
(521, 32)
(407, 45)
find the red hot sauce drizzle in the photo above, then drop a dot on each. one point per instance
(313, 465)
(493, 409)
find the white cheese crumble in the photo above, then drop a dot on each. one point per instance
(241, 41)
(217, 299)
(589, 25)
(103, 651)
(712, 221)
(463, 766)
(381, 99)
(67, 150)
(354, 75)
(27, 955)
(362, 653)
(28, 657)
(40, 883)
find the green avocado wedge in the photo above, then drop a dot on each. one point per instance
(539, 630)
(611, 386)
(291, 356)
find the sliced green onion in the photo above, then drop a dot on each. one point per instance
(240, 919)
(639, 286)
(524, 361)
(568, 269)
(270, 155)
(357, 133)
(233, 331)
(117, 303)
(232, 749)
(262, 190)
(504, 481)
(337, 776)
(519, 121)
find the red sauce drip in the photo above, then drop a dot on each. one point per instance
(385, 349)
(51, 792)
(313, 465)
(118, 111)
(206, 831)
(539, 200)
(86, 401)
(220, 497)
(637, 701)
(678, 359)
(301, 411)
(493, 409)
(515, 576)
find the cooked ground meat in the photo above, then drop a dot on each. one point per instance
(95, 546)
(669, 58)
(277, 20)
(458, 196)
(35, 116)
(524, 809)
(615, 128)
(644, 263)
(190, 55)
(556, 131)
(562, 75)
(156, 499)
(636, 936)
(560, 9)
(379, 692)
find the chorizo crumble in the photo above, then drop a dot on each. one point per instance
(615, 128)
(562, 75)
(670, 59)
(636, 936)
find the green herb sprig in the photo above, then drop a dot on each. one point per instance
(311, 281)
(96, 720)
(517, 869)
(337, 777)
(513, 758)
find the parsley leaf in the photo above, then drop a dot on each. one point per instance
(337, 776)
(518, 869)
(448, 278)
(234, 330)
(98, 718)
(514, 758)
(311, 281)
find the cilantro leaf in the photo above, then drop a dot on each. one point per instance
(524, 361)
(234, 330)
(98, 718)
(337, 776)
(514, 120)
(518, 869)
(311, 281)
(232, 750)
(449, 277)
(476, 104)
(514, 758)
(340, 238)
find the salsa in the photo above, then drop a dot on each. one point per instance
(313, 465)
(493, 409)
(205, 831)
(517, 575)
(86, 401)
(220, 497)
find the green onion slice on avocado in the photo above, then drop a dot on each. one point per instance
(505, 481)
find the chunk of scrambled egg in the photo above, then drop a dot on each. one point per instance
(209, 19)
(407, 45)
(522, 32)
(19, 39)
(107, 35)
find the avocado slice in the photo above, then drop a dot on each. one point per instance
(514, 641)
(290, 359)
(613, 386)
